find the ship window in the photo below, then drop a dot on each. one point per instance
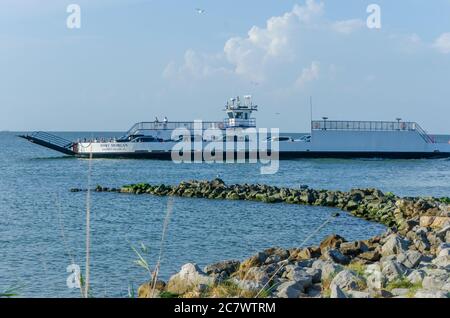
(144, 139)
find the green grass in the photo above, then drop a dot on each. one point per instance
(166, 294)
(11, 292)
(406, 284)
(358, 268)
(445, 200)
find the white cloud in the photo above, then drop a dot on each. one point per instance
(308, 74)
(195, 65)
(348, 26)
(251, 54)
(442, 43)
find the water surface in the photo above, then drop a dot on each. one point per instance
(42, 224)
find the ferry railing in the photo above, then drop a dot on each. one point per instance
(56, 140)
(145, 126)
(372, 126)
(425, 135)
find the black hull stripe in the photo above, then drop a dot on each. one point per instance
(289, 155)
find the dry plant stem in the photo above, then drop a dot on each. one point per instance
(163, 238)
(88, 228)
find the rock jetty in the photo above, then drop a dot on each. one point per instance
(411, 259)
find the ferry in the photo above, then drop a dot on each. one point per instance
(327, 139)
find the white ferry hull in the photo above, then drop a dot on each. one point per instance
(323, 144)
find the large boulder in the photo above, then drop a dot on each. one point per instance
(353, 248)
(189, 277)
(437, 222)
(307, 253)
(335, 256)
(348, 280)
(434, 282)
(254, 261)
(394, 245)
(416, 276)
(336, 292)
(225, 268)
(331, 242)
(374, 277)
(409, 259)
(257, 275)
(370, 256)
(443, 233)
(392, 270)
(442, 262)
(327, 269)
(275, 255)
(301, 277)
(289, 290)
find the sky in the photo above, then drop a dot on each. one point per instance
(133, 60)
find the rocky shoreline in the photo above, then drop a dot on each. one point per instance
(411, 259)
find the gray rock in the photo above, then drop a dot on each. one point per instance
(257, 275)
(315, 291)
(400, 291)
(421, 242)
(315, 274)
(444, 248)
(189, 277)
(394, 245)
(305, 263)
(288, 290)
(416, 276)
(430, 294)
(409, 259)
(336, 292)
(442, 234)
(358, 294)
(375, 279)
(353, 248)
(300, 277)
(392, 270)
(434, 282)
(228, 267)
(348, 280)
(247, 285)
(336, 256)
(446, 286)
(442, 261)
(327, 269)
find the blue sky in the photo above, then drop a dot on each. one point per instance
(133, 60)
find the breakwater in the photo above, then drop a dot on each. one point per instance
(412, 259)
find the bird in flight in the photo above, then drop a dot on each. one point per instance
(200, 11)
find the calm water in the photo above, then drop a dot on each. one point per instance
(42, 223)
